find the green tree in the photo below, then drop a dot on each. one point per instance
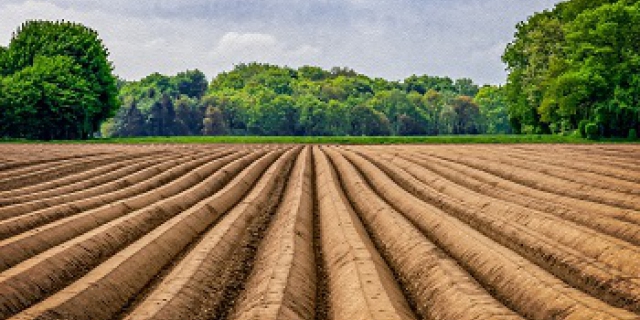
(39, 45)
(213, 122)
(49, 100)
(603, 69)
(493, 105)
(129, 122)
(365, 121)
(576, 62)
(313, 120)
(313, 73)
(191, 83)
(276, 117)
(434, 103)
(466, 87)
(188, 120)
(467, 116)
(533, 59)
(395, 104)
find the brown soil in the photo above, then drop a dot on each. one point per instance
(249, 232)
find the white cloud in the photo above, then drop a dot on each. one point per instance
(391, 39)
(233, 43)
(235, 47)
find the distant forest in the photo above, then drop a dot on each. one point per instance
(262, 99)
(572, 70)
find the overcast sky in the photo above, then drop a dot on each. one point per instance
(391, 39)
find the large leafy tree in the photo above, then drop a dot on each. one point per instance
(574, 64)
(530, 60)
(49, 99)
(602, 79)
(68, 63)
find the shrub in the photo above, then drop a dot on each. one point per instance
(592, 131)
(633, 134)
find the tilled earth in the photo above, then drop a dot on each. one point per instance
(319, 232)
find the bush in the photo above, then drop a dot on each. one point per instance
(633, 134)
(582, 127)
(592, 131)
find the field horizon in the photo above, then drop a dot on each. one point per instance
(344, 140)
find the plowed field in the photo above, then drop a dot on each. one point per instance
(319, 232)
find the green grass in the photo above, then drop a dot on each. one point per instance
(464, 139)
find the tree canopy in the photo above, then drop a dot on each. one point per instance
(264, 99)
(56, 81)
(579, 62)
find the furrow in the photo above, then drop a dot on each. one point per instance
(132, 175)
(541, 181)
(606, 224)
(21, 166)
(593, 154)
(520, 186)
(17, 181)
(282, 285)
(202, 284)
(360, 283)
(106, 289)
(437, 285)
(561, 160)
(524, 287)
(6, 175)
(10, 166)
(565, 173)
(63, 222)
(81, 181)
(601, 266)
(45, 274)
(322, 282)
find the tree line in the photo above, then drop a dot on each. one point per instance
(264, 99)
(577, 67)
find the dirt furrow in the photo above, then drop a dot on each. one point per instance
(438, 287)
(31, 160)
(524, 287)
(105, 290)
(17, 181)
(601, 266)
(528, 191)
(593, 154)
(360, 283)
(563, 173)
(10, 166)
(541, 181)
(61, 223)
(322, 282)
(282, 285)
(133, 174)
(204, 283)
(562, 160)
(613, 227)
(83, 180)
(46, 273)
(540, 184)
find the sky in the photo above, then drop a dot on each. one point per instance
(391, 39)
